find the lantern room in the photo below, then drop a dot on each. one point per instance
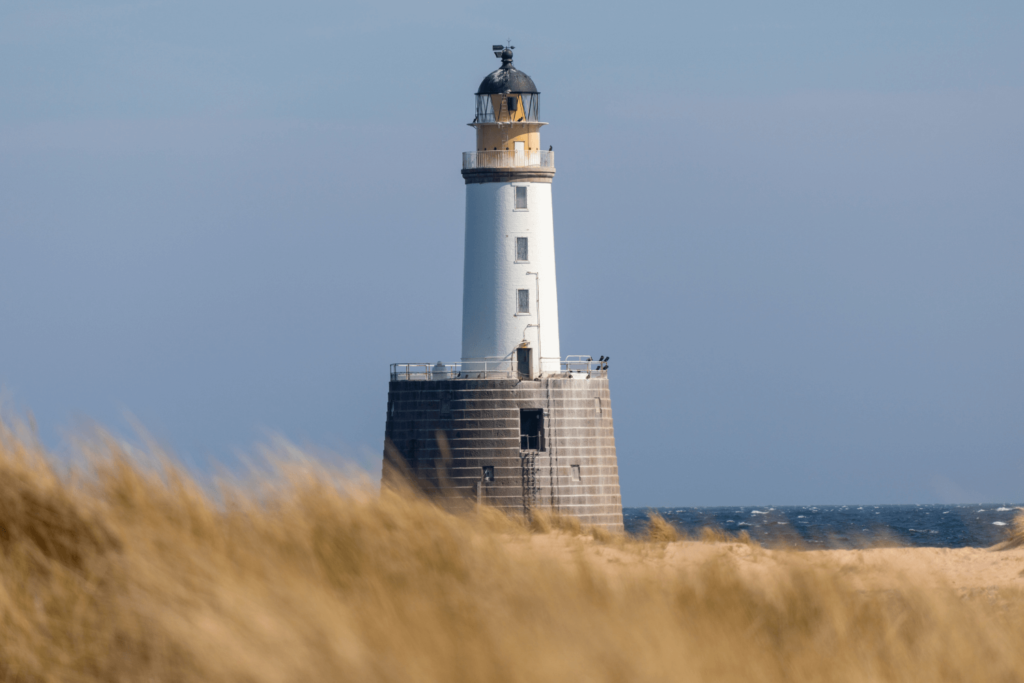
(507, 109)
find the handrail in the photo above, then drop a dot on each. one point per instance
(508, 159)
(436, 371)
(575, 367)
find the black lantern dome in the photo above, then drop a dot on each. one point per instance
(506, 95)
(506, 79)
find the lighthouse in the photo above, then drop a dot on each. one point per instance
(509, 295)
(513, 424)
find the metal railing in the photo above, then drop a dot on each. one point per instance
(581, 365)
(506, 159)
(429, 371)
(576, 367)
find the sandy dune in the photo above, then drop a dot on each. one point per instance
(965, 570)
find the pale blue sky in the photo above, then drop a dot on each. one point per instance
(802, 220)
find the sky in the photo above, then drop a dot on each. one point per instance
(795, 227)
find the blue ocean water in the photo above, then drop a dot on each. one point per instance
(940, 526)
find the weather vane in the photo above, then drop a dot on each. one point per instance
(498, 49)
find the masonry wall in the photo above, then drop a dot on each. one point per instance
(479, 419)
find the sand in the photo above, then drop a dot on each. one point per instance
(963, 569)
(967, 571)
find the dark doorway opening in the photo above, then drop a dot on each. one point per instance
(523, 363)
(531, 430)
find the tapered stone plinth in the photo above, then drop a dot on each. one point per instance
(569, 466)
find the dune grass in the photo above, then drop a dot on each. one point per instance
(1016, 535)
(125, 569)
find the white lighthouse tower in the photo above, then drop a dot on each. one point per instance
(513, 424)
(509, 296)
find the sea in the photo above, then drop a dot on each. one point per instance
(933, 526)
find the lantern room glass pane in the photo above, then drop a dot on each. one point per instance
(507, 108)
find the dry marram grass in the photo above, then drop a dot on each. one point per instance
(126, 572)
(1016, 539)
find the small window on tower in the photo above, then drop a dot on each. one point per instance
(520, 197)
(488, 473)
(522, 249)
(522, 301)
(575, 472)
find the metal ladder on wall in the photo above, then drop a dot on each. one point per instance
(528, 468)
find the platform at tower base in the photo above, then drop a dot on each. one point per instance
(518, 445)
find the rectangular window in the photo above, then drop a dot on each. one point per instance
(520, 196)
(522, 249)
(531, 429)
(575, 472)
(488, 473)
(522, 301)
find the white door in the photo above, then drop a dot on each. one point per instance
(519, 148)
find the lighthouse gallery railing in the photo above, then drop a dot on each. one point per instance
(506, 159)
(572, 366)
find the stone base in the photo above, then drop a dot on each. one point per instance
(479, 420)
